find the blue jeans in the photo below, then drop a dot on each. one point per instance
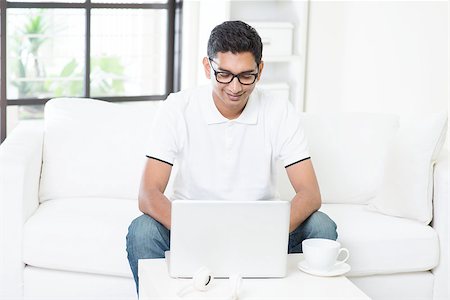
(147, 238)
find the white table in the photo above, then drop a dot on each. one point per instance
(155, 283)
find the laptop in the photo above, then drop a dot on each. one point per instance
(249, 238)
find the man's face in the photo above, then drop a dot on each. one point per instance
(231, 98)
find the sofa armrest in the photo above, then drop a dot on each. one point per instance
(20, 170)
(441, 224)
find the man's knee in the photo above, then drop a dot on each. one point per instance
(320, 225)
(141, 227)
(145, 231)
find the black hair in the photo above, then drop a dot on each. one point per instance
(235, 37)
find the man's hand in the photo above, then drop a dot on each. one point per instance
(307, 200)
(151, 198)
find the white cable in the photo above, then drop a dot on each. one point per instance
(235, 284)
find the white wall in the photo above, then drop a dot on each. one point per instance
(377, 56)
(290, 72)
(199, 18)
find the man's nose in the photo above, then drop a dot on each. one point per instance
(235, 85)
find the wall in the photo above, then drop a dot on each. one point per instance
(377, 56)
(199, 18)
(289, 71)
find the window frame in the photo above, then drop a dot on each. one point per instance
(173, 72)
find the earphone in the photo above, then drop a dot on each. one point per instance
(200, 281)
(203, 279)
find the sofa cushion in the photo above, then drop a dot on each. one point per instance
(80, 234)
(88, 235)
(348, 152)
(381, 244)
(408, 182)
(94, 148)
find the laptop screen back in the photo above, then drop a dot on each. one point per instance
(249, 238)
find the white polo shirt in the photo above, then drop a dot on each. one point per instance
(221, 159)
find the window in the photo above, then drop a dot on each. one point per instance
(115, 50)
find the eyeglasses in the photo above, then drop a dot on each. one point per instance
(227, 77)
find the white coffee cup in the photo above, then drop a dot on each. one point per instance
(322, 254)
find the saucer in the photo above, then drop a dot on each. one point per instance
(337, 270)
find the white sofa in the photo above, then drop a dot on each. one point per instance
(68, 190)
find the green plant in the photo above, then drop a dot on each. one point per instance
(107, 71)
(29, 75)
(26, 43)
(107, 76)
(69, 87)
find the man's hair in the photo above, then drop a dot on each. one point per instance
(235, 37)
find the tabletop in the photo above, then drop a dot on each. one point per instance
(156, 284)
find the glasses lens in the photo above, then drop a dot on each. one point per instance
(224, 77)
(247, 78)
(227, 77)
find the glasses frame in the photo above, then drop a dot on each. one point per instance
(233, 75)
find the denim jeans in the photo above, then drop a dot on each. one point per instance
(147, 238)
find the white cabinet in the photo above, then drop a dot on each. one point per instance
(278, 90)
(276, 38)
(282, 26)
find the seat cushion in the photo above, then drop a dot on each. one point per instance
(80, 234)
(88, 235)
(381, 244)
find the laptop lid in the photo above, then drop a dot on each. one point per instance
(249, 238)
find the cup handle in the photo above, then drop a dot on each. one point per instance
(347, 255)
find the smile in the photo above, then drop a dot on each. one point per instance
(234, 97)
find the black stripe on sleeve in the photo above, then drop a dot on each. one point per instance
(160, 160)
(297, 162)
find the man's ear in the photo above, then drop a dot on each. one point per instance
(260, 69)
(206, 67)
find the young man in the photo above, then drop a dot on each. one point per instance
(226, 138)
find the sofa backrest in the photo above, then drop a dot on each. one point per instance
(94, 148)
(348, 151)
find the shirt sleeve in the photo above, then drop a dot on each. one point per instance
(166, 134)
(292, 144)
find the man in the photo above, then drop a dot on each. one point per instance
(226, 139)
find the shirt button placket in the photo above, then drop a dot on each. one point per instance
(229, 140)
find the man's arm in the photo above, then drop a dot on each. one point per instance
(307, 200)
(151, 198)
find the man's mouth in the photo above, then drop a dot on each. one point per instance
(234, 97)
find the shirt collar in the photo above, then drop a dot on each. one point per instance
(248, 116)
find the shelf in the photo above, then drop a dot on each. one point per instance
(273, 85)
(288, 58)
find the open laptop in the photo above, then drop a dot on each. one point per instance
(249, 238)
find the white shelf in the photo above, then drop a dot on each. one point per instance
(274, 85)
(286, 67)
(288, 58)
